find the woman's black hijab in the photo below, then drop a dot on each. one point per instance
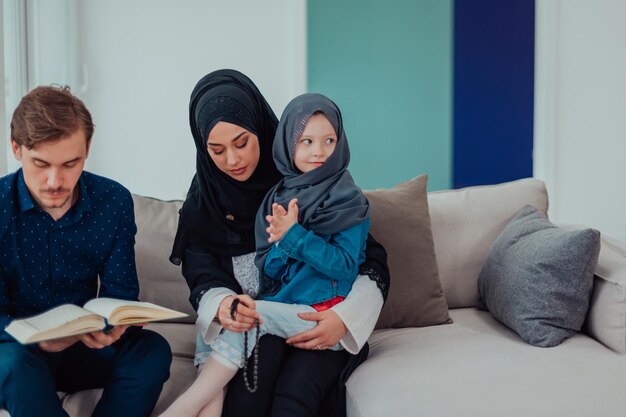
(219, 211)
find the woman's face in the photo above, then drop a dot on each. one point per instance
(234, 150)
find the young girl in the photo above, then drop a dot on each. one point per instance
(309, 253)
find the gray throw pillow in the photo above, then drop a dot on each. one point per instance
(538, 278)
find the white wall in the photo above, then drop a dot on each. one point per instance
(138, 60)
(39, 48)
(14, 80)
(4, 123)
(141, 60)
(580, 114)
(50, 35)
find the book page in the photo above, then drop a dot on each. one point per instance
(58, 322)
(130, 312)
(56, 317)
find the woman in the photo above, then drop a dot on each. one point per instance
(233, 128)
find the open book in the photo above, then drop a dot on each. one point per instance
(98, 314)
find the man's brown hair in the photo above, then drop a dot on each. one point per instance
(49, 113)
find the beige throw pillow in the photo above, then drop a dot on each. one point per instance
(466, 222)
(401, 223)
(160, 281)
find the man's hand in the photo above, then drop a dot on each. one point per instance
(245, 316)
(328, 332)
(58, 345)
(99, 340)
(94, 340)
(280, 221)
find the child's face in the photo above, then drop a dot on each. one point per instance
(317, 143)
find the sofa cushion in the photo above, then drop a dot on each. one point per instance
(400, 222)
(160, 281)
(538, 278)
(606, 320)
(182, 340)
(476, 367)
(465, 223)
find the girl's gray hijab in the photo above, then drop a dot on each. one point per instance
(328, 199)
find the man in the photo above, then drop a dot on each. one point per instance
(63, 231)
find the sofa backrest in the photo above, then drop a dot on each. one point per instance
(160, 281)
(466, 222)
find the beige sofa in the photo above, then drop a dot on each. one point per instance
(472, 367)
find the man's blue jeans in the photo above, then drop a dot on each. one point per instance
(131, 371)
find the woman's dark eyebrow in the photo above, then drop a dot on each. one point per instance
(234, 139)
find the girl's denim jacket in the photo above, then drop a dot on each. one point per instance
(307, 268)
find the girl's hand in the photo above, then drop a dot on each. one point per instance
(245, 316)
(328, 332)
(280, 221)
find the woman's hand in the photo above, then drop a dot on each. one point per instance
(329, 330)
(280, 221)
(243, 319)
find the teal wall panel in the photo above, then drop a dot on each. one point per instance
(388, 66)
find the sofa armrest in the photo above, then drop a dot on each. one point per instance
(606, 319)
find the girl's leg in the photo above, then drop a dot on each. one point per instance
(282, 319)
(204, 397)
(279, 319)
(214, 407)
(209, 384)
(228, 355)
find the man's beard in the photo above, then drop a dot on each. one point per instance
(55, 205)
